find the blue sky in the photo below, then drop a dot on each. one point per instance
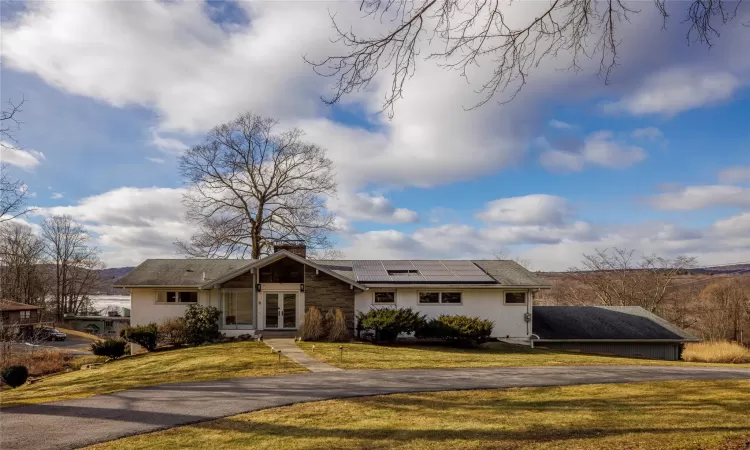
(658, 160)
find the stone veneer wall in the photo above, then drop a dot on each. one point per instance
(325, 292)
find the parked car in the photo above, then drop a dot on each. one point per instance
(52, 334)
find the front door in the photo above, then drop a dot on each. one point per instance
(281, 310)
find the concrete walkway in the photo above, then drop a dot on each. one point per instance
(77, 423)
(289, 349)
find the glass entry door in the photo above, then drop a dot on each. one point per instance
(281, 310)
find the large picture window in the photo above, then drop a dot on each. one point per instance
(177, 297)
(435, 298)
(385, 298)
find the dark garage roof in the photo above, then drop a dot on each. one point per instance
(603, 323)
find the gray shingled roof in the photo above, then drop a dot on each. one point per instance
(603, 323)
(179, 272)
(189, 272)
(510, 273)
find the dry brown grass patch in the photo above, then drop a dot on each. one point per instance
(716, 352)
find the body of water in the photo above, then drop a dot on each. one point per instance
(102, 302)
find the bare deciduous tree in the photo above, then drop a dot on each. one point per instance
(618, 278)
(12, 191)
(725, 310)
(76, 263)
(250, 186)
(22, 275)
(467, 33)
(505, 255)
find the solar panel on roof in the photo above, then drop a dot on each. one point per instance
(442, 271)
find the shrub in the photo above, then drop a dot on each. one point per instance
(337, 331)
(312, 328)
(15, 376)
(388, 323)
(456, 328)
(143, 335)
(716, 352)
(202, 324)
(112, 348)
(173, 332)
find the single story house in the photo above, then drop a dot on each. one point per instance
(617, 330)
(99, 325)
(272, 293)
(15, 313)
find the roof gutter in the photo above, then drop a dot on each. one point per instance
(629, 341)
(157, 286)
(455, 286)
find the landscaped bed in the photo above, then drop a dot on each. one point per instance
(663, 415)
(421, 356)
(208, 362)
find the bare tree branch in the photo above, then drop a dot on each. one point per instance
(472, 32)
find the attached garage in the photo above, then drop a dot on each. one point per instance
(623, 331)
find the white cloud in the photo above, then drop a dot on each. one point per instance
(676, 90)
(598, 149)
(738, 226)
(649, 133)
(375, 208)
(56, 195)
(560, 125)
(25, 159)
(700, 197)
(535, 209)
(167, 145)
(131, 224)
(561, 161)
(735, 175)
(156, 160)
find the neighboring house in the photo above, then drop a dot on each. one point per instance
(15, 313)
(273, 293)
(618, 330)
(98, 325)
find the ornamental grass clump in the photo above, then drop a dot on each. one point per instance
(313, 328)
(337, 331)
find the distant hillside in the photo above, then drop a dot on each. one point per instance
(109, 276)
(738, 269)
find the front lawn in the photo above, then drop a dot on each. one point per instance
(663, 415)
(358, 355)
(209, 362)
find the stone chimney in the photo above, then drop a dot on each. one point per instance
(297, 247)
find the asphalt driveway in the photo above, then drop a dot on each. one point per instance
(73, 344)
(76, 423)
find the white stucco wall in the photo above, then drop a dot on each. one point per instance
(144, 309)
(484, 303)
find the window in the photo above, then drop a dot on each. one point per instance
(515, 298)
(25, 314)
(177, 297)
(429, 297)
(433, 298)
(450, 297)
(385, 297)
(403, 272)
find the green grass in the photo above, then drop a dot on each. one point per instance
(369, 356)
(663, 415)
(210, 362)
